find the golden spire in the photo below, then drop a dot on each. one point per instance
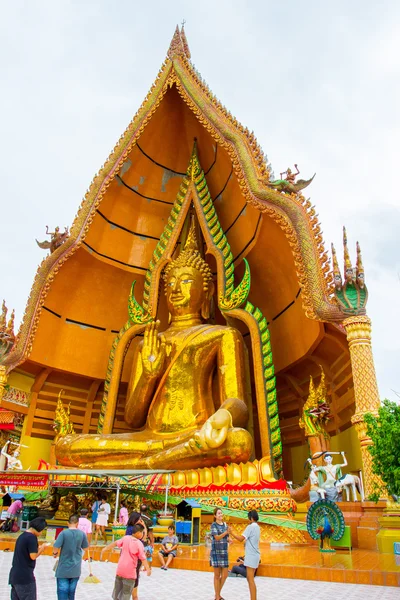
(3, 317)
(178, 45)
(194, 167)
(312, 396)
(347, 261)
(322, 390)
(337, 277)
(360, 275)
(184, 41)
(191, 240)
(10, 326)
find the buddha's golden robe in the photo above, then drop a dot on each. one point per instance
(202, 373)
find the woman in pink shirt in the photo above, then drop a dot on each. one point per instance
(123, 514)
(14, 512)
(15, 508)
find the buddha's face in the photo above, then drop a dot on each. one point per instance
(184, 289)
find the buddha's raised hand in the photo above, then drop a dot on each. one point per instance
(153, 350)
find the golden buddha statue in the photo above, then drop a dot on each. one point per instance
(50, 504)
(68, 506)
(186, 400)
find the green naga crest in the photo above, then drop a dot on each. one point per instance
(352, 295)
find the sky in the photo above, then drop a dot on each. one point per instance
(319, 83)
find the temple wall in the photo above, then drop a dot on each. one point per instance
(20, 381)
(38, 448)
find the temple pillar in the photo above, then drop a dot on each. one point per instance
(366, 392)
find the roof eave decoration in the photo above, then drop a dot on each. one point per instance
(293, 213)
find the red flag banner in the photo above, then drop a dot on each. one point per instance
(24, 480)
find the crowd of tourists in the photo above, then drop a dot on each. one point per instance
(136, 552)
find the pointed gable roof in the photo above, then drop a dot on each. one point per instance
(178, 96)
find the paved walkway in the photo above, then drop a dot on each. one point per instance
(193, 585)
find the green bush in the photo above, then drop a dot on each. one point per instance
(384, 431)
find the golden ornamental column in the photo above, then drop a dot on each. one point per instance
(351, 296)
(3, 381)
(366, 392)
(7, 339)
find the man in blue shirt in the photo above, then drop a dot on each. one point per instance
(71, 542)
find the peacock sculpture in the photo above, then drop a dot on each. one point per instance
(325, 521)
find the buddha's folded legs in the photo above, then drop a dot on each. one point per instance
(124, 450)
(139, 450)
(237, 448)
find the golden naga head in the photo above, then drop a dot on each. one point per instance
(188, 280)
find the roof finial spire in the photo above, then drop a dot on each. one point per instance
(179, 45)
(194, 168)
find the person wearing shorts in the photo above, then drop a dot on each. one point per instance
(219, 551)
(168, 549)
(251, 538)
(132, 550)
(102, 519)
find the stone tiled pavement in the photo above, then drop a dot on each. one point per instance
(193, 585)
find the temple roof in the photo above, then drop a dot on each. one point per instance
(78, 301)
